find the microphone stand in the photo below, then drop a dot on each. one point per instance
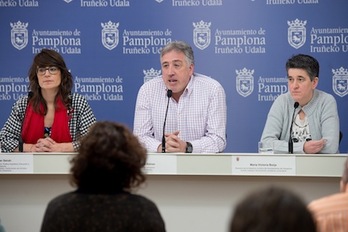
(169, 95)
(291, 143)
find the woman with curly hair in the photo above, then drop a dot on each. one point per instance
(107, 168)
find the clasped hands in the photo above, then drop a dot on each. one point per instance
(44, 145)
(173, 143)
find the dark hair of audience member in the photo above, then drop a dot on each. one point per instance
(110, 159)
(272, 210)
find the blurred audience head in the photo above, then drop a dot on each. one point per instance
(110, 159)
(272, 209)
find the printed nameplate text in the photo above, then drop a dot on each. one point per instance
(264, 165)
(16, 163)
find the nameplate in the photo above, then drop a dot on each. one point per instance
(161, 164)
(16, 163)
(264, 165)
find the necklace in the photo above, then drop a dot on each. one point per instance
(301, 123)
(47, 132)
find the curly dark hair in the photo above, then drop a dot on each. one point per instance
(110, 159)
(46, 58)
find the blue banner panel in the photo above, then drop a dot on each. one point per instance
(112, 47)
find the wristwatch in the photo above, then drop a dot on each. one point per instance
(188, 147)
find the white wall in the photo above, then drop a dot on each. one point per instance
(187, 203)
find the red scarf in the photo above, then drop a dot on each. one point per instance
(33, 125)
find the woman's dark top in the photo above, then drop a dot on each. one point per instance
(86, 212)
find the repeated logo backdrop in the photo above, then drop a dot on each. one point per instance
(112, 47)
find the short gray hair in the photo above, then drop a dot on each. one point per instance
(181, 47)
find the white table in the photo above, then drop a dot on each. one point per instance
(199, 197)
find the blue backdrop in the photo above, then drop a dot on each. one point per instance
(112, 47)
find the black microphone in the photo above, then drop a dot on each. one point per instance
(291, 143)
(169, 95)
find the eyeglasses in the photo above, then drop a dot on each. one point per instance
(52, 70)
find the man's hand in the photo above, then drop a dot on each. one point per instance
(173, 143)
